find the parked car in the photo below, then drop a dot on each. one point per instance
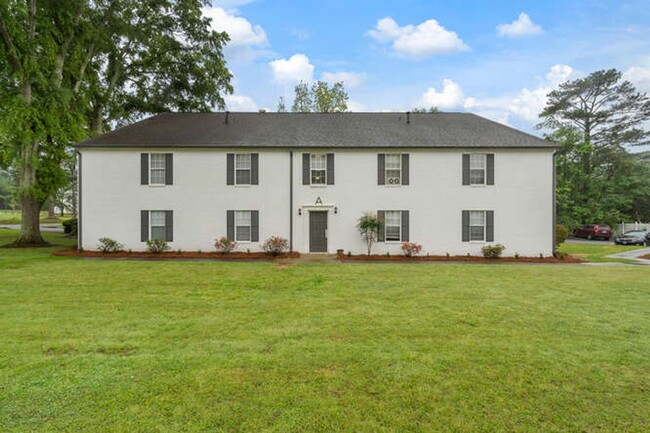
(593, 231)
(634, 237)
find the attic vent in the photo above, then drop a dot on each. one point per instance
(227, 114)
(408, 117)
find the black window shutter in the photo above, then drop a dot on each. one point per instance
(255, 226)
(169, 169)
(465, 226)
(465, 169)
(489, 226)
(381, 233)
(490, 169)
(405, 226)
(305, 169)
(255, 163)
(144, 225)
(330, 169)
(230, 225)
(169, 226)
(381, 169)
(144, 169)
(230, 169)
(405, 169)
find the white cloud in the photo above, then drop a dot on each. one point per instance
(522, 26)
(240, 103)
(292, 70)
(640, 75)
(351, 80)
(451, 96)
(524, 105)
(242, 33)
(426, 39)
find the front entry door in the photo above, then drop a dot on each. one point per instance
(318, 231)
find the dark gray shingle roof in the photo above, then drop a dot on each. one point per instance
(316, 130)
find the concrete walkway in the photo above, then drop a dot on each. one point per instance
(56, 228)
(633, 255)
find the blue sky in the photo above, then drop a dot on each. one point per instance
(495, 58)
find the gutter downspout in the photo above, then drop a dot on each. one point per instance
(554, 195)
(291, 200)
(79, 177)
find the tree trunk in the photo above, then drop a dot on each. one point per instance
(30, 231)
(50, 208)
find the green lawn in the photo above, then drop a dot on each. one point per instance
(13, 217)
(142, 346)
(596, 252)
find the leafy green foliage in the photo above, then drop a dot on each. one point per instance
(70, 226)
(7, 191)
(492, 251)
(561, 234)
(369, 226)
(108, 245)
(430, 110)
(157, 246)
(320, 98)
(593, 120)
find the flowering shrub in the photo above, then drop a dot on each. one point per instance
(225, 245)
(411, 249)
(108, 245)
(275, 245)
(157, 246)
(492, 251)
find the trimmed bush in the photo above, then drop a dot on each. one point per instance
(157, 246)
(225, 245)
(561, 233)
(275, 245)
(70, 226)
(492, 251)
(411, 249)
(108, 245)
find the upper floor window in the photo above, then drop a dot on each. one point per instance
(477, 169)
(243, 168)
(156, 169)
(318, 169)
(393, 169)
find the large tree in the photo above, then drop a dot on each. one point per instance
(73, 70)
(319, 98)
(595, 120)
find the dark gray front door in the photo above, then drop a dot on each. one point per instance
(318, 231)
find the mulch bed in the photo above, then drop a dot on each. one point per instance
(475, 259)
(176, 255)
(647, 257)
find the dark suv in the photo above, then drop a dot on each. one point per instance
(593, 231)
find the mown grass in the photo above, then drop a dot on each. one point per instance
(141, 346)
(597, 252)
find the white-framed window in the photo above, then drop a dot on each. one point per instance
(393, 168)
(318, 168)
(477, 168)
(157, 169)
(393, 225)
(157, 227)
(243, 226)
(243, 168)
(477, 225)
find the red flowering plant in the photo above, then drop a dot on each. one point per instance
(225, 245)
(275, 245)
(411, 249)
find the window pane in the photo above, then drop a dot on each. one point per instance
(157, 176)
(243, 233)
(243, 177)
(476, 218)
(157, 218)
(318, 177)
(243, 161)
(158, 160)
(477, 177)
(476, 225)
(392, 233)
(393, 224)
(477, 161)
(318, 162)
(476, 233)
(393, 161)
(243, 217)
(158, 233)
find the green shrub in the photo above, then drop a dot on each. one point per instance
(108, 245)
(70, 226)
(275, 245)
(157, 246)
(492, 251)
(561, 233)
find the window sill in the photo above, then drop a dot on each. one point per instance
(243, 185)
(318, 186)
(477, 242)
(392, 186)
(477, 185)
(158, 185)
